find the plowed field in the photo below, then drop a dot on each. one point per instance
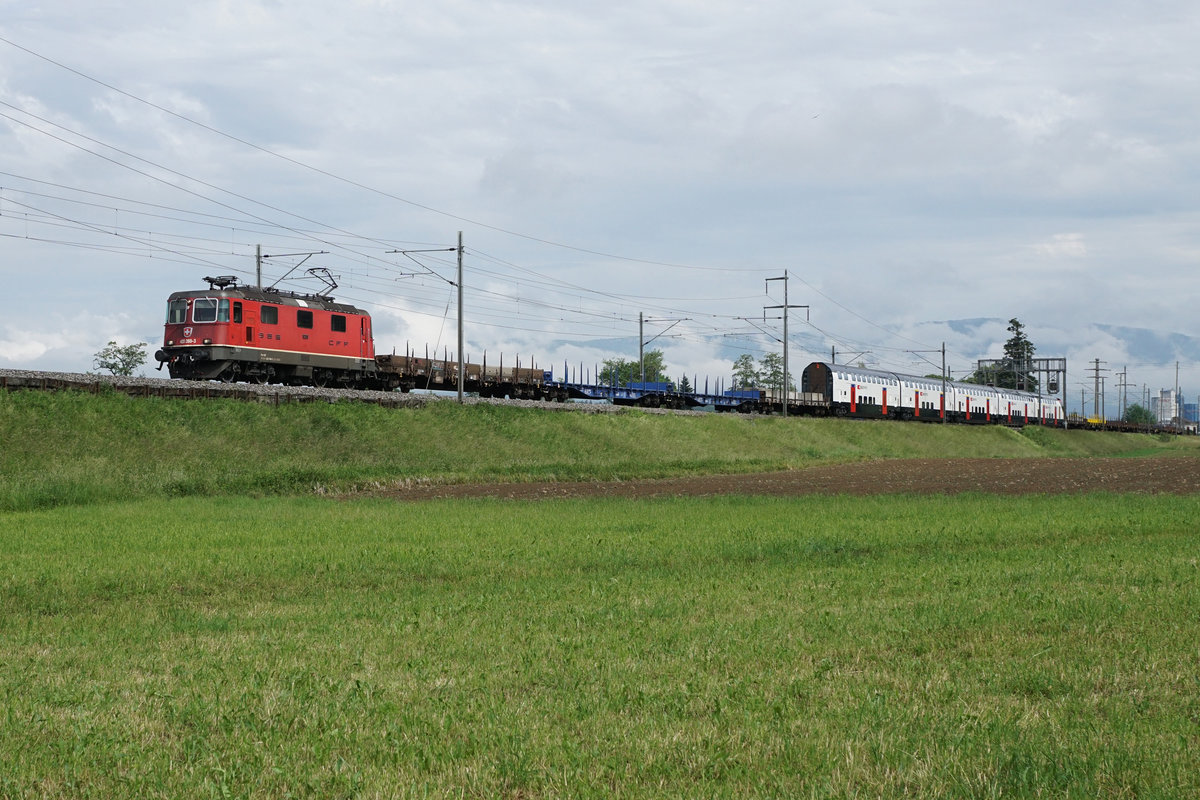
(927, 476)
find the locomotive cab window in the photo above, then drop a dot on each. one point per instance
(210, 309)
(304, 318)
(204, 309)
(337, 323)
(177, 312)
(269, 315)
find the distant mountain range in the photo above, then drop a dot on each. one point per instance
(1140, 345)
(1150, 355)
(1155, 346)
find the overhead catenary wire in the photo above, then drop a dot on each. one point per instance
(349, 181)
(354, 247)
(493, 318)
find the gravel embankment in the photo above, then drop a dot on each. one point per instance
(136, 385)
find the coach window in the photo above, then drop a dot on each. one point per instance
(269, 315)
(304, 318)
(204, 309)
(337, 323)
(177, 312)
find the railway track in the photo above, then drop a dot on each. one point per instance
(270, 394)
(276, 394)
(165, 387)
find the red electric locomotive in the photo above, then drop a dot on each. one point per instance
(243, 333)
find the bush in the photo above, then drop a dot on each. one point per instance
(121, 359)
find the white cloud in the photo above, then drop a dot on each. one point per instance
(923, 161)
(58, 343)
(1063, 245)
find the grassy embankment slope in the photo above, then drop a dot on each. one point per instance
(74, 448)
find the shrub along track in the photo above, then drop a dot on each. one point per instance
(903, 476)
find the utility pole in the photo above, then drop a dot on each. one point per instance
(642, 341)
(785, 307)
(1178, 402)
(1124, 389)
(1098, 394)
(461, 366)
(1121, 390)
(258, 264)
(943, 381)
(459, 284)
(943, 352)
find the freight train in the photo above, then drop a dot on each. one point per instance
(233, 332)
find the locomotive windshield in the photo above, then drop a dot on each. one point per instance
(177, 312)
(210, 309)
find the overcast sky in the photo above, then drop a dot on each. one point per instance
(921, 171)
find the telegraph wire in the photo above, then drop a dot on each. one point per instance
(484, 316)
(364, 187)
(547, 281)
(357, 184)
(145, 174)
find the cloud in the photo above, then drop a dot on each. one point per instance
(926, 161)
(1063, 245)
(68, 345)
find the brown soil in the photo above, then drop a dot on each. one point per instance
(924, 476)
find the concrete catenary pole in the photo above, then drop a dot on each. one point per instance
(461, 366)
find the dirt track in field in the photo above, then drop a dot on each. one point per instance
(915, 476)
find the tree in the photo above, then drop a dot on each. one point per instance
(616, 371)
(1137, 414)
(685, 385)
(1018, 348)
(772, 373)
(1013, 370)
(121, 359)
(656, 367)
(621, 371)
(745, 373)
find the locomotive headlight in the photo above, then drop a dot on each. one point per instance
(208, 341)
(170, 342)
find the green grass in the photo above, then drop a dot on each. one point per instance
(72, 448)
(180, 617)
(962, 646)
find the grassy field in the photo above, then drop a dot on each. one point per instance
(73, 448)
(723, 647)
(182, 616)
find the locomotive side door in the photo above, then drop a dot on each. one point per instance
(238, 318)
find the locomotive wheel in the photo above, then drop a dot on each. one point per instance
(320, 378)
(231, 374)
